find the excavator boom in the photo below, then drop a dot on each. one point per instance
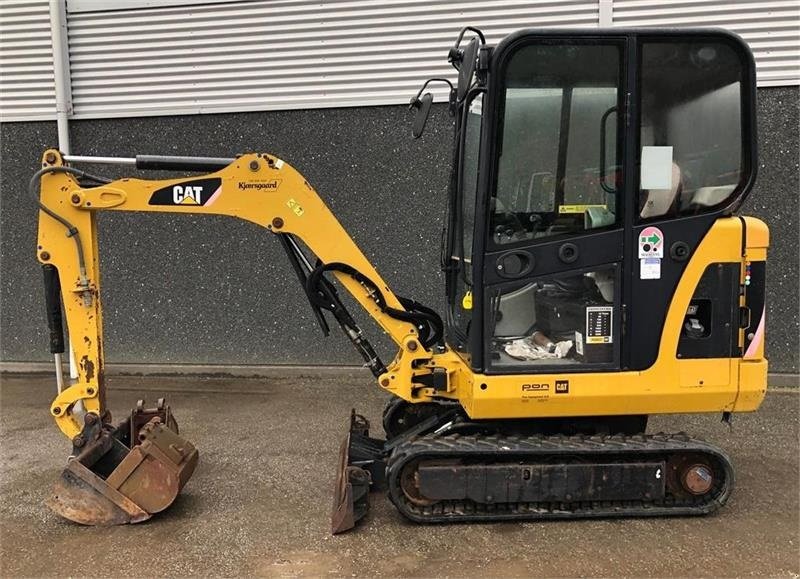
(258, 188)
(101, 484)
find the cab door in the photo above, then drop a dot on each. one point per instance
(552, 245)
(693, 163)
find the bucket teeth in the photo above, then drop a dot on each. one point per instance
(126, 474)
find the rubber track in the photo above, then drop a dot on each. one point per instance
(499, 448)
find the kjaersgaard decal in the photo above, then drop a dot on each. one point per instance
(195, 192)
(271, 185)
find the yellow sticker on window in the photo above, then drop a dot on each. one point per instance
(578, 208)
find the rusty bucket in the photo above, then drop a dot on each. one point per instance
(124, 474)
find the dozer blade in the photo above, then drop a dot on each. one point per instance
(126, 474)
(361, 467)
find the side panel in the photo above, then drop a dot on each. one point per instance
(650, 300)
(711, 326)
(694, 162)
(670, 385)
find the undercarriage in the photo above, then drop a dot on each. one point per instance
(444, 468)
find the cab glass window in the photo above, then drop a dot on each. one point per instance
(691, 138)
(469, 177)
(461, 302)
(558, 320)
(558, 161)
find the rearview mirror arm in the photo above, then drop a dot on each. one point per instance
(416, 101)
(455, 55)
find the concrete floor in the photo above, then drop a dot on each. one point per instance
(260, 499)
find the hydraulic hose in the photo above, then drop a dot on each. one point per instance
(72, 231)
(423, 318)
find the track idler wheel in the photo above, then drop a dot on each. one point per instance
(691, 475)
(409, 483)
(124, 474)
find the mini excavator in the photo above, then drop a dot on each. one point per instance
(596, 273)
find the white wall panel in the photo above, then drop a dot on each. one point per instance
(771, 28)
(184, 56)
(281, 54)
(27, 90)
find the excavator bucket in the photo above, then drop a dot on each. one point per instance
(124, 474)
(360, 469)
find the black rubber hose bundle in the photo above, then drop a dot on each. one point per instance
(426, 320)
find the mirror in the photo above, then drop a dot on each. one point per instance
(423, 107)
(466, 69)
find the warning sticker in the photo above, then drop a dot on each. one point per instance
(651, 243)
(598, 324)
(578, 208)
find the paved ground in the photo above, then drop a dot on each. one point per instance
(259, 501)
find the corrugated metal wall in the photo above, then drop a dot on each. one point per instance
(26, 61)
(284, 54)
(289, 54)
(771, 28)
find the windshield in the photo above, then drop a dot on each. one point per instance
(558, 159)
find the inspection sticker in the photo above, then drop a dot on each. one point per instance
(650, 268)
(651, 243)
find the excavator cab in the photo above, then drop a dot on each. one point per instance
(590, 167)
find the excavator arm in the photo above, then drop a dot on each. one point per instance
(256, 187)
(127, 473)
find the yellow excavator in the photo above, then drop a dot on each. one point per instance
(596, 273)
